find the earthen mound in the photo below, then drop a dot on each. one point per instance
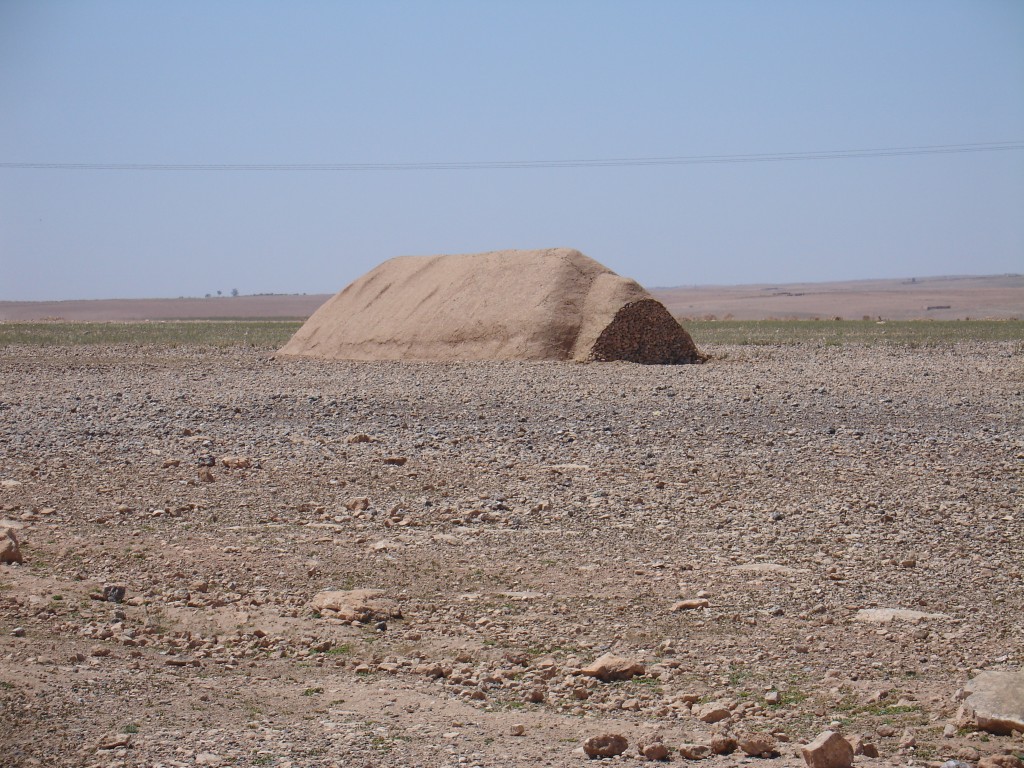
(554, 304)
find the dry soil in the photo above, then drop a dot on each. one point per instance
(725, 525)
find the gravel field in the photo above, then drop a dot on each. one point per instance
(728, 530)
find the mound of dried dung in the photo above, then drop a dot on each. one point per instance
(554, 304)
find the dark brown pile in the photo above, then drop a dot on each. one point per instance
(645, 332)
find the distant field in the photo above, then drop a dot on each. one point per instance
(268, 334)
(272, 334)
(993, 297)
(907, 333)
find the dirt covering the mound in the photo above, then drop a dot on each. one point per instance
(554, 304)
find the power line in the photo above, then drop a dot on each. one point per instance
(614, 162)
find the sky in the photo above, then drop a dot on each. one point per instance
(388, 83)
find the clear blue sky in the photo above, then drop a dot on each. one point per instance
(395, 82)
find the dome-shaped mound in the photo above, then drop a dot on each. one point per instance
(554, 304)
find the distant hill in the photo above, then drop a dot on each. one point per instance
(937, 298)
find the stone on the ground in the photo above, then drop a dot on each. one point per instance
(356, 605)
(652, 748)
(236, 462)
(997, 700)
(757, 744)
(605, 745)
(691, 604)
(114, 593)
(1001, 761)
(430, 670)
(713, 712)
(114, 741)
(887, 615)
(536, 696)
(828, 750)
(723, 744)
(860, 746)
(10, 552)
(694, 751)
(610, 667)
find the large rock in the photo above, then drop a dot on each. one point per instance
(610, 667)
(10, 552)
(605, 745)
(555, 304)
(356, 605)
(758, 744)
(829, 750)
(652, 748)
(997, 699)
(694, 751)
(713, 712)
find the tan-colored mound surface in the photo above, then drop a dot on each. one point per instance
(554, 304)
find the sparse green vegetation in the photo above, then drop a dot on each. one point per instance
(737, 675)
(646, 682)
(850, 710)
(903, 333)
(131, 728)
(268, 334)
(791, 697)
(337, 650)
(891, 710)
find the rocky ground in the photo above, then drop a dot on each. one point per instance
(733, 532)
